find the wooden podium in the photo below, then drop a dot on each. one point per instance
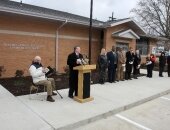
(84, 81)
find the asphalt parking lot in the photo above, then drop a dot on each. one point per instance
(153, 115)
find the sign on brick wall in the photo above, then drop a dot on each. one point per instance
(23, 46)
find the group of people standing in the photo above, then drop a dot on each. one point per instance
(115, 61)
(150, 62)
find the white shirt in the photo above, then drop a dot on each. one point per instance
(37, 73)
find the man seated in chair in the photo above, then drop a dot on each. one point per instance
(38, 72)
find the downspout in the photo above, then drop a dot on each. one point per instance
(56, 44)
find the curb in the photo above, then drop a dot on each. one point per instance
(112, 112)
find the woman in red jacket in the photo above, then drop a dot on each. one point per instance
(153, 60)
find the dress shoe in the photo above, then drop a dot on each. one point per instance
(53, 93)
(70, 96)
(122, 80)
(130, 79)
(50, 99)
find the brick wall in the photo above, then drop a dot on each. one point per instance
(22, 38)
(17, 52)
(109, 40)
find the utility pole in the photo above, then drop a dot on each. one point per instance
(90, 30)
(21, 2)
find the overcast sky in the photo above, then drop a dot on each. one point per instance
(102, 9)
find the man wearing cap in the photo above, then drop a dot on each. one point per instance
(37, 71)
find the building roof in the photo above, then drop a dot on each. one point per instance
(131, 23)
(36, 11)
(109, 23)
(41, 12)
(154, 37)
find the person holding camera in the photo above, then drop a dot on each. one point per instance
(38, 73)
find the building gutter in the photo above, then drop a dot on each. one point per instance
(46, 16)
(56, 45)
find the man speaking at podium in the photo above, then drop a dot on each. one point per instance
(74, 59)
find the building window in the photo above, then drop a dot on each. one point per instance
(124, 46)
(142, 46)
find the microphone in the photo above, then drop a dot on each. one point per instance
(82, 61)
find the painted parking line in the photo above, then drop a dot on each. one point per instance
(165, 98)
(132, 122)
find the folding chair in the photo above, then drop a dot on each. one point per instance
(35, 87)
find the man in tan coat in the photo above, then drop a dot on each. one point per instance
(120, 64)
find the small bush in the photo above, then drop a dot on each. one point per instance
(2, 70)
(19, 73)
(66, 69)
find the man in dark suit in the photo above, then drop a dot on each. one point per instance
(168, 65)
(129, 63)
(136, 64)
(74, 59)
(112, 64)
(162, 62)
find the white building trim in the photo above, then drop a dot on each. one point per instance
(126, 34)
(126, 21)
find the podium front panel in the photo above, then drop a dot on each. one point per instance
(86, 85)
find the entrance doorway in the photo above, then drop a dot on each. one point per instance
(124, 46)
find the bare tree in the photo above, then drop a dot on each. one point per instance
(154, 16)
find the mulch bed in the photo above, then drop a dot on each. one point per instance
(21, 85)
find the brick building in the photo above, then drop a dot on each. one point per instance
(27, 31)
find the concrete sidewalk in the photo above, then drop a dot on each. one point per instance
(14, 115)
(109, 99)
